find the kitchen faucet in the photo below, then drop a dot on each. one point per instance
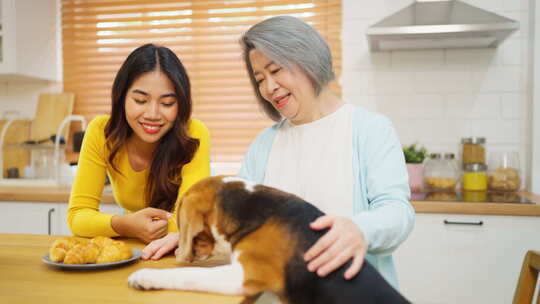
(57, 159)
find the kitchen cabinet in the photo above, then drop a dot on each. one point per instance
(40, 218)
(451, 258)
(29, 38)
(30, 217)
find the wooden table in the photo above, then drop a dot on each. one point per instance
(24, 278)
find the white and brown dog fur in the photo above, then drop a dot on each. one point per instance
(268, 232)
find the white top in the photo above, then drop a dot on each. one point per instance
(314, 161)
(381, 207)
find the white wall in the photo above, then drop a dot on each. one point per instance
(22, 97)
(535, 123)
(435, 97)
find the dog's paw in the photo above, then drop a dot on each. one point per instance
(142, 279)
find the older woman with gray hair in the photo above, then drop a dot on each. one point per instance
(345, 160)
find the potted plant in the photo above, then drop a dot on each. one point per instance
(414, 157)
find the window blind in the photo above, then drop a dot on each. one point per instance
(99, 34)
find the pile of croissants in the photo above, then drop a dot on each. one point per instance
(98, 250)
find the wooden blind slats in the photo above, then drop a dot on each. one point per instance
(323, 14)
(190, 11)
(198, 4)
(118, 7)
(205, 74)
(224, 68)
(250, 15)
(99, 34)
(83, 27)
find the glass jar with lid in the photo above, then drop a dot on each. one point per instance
(450, 159)
(439, 174)
(475, 177)
(473, 150)
(504, 171)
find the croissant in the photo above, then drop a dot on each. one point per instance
(61, 246)
(102, 241)
(100, 249)
(82, 254)
(116, 251)
(91, 252)
(125, 251)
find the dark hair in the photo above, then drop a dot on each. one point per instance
(176, 148)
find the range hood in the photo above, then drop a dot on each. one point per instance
(429, 24)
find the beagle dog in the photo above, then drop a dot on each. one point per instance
(268, 232)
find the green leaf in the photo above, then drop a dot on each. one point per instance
(414, 154)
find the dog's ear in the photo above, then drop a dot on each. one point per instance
(203, 244)
(190, 223)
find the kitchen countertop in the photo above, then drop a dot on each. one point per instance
(26, 279)
(61, 195)
(44, 194)
(490, 208)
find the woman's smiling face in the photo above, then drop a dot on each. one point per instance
(151, 106)
(289, 91)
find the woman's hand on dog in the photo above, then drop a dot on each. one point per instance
(146, 224)
(344, 241)
(158, 248)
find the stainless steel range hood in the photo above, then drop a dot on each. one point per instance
(429, 24)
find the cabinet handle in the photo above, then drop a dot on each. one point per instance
(49, 213)
(479, 223)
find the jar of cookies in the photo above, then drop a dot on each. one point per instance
(439, 174)
(504, 172)
(473, 150)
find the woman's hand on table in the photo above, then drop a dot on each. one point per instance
(147, 224)
(158, 248)
(344, 241)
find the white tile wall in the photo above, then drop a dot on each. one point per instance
(22, 97)
(473, 106)
(511, 106)
(435, 97)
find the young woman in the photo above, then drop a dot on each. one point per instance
(343, 159)
(149, 147)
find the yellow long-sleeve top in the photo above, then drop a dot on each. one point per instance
(84, 217)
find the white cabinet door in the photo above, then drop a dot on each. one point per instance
(468, 259)
(7, 36)
(40, 218)
(28, 217)
(28, 40)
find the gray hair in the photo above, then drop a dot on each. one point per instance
(290, 43)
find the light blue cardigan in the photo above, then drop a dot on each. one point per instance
(381, 192)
